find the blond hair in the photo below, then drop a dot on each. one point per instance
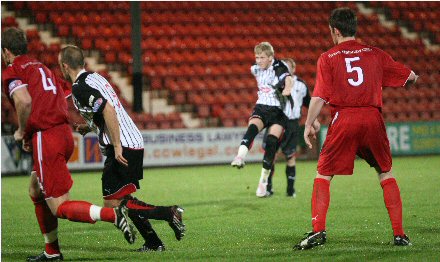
(265, 47)
(291, 61)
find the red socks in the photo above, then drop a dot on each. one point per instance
(81, 211)
(320, 203)
(108, 215)
(393, 202)
(48, 225)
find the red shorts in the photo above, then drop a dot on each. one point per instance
(52, 149)
(355, 131)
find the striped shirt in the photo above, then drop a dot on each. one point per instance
(301, 97)
(91, 92)
(267, 79)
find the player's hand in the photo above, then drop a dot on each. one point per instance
(119, 157)
(27, 145)
(18, 135)
(83, 129)
(316, 125)
(309, 132)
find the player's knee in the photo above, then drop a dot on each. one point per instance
(271, 147)
(34, 188)
(329, 178)
(385, 176)
(271, 143)
(291, 160)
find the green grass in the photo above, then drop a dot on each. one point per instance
(225, 221)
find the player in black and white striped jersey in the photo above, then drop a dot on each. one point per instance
(122, 144)
(272, 77)
(301, 97)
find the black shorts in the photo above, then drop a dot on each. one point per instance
(290, 139)
(269, 115)
(119, 180)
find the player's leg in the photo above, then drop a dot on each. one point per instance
(256, 124)
(288, 147)
(272, 141)
(119, 182)
(54, 148)
(291, 175)
(337, 157)
(393, 203)
(47, 222)
(376, 151)
(269, 186)
(152, 242)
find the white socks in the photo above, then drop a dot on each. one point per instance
(242, 151)
(95, 212)
(264, 175)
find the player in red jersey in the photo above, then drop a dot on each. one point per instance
(350, 77)
(43, 128)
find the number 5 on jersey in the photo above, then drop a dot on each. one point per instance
(358, 70)
(47, 82)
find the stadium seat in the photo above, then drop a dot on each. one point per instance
(208, 46)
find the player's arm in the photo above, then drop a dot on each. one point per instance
(321, 95)
(315, 107)
(396, 74)
(112, 123)
(288, 86)
(412, 79)
(23, 105)
(306, 103)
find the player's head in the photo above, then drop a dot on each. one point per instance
(71, 58)
(264, 54)
(342, 23)
(292, 65)
(14, 43)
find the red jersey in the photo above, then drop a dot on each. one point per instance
(353, 74)
(49, 107)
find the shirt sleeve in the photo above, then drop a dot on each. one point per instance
(282, 71)
(253, 71)
(89, 97)
(323, 86)
(394, 74)
(11, 81)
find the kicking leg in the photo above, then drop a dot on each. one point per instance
(254, 127)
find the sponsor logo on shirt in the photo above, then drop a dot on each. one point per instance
(97, 105)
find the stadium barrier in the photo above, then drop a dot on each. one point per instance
(178, 147)
(162, 148)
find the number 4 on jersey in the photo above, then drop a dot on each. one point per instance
(47, 82)
(358, 70)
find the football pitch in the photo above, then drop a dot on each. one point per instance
(226, 221)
